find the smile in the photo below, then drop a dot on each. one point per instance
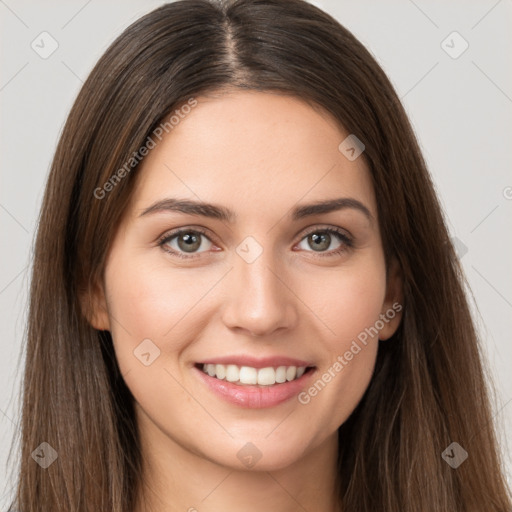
(255, 383)
(247, 375)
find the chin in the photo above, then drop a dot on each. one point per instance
(261, 452)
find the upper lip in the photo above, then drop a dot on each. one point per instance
(257, 362)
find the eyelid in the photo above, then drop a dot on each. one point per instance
(325, 227)
(177, 231)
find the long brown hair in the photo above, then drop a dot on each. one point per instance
(429, 387)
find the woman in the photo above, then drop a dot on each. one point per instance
(244, 294)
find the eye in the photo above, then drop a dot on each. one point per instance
(327, 240)
(186, 242)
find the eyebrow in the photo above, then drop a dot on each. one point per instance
(213, 211)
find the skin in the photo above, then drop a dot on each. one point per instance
(260, 155)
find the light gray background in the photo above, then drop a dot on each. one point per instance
(461, 110)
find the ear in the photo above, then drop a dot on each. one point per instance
(94, 306)
(392, 308)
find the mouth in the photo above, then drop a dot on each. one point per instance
(256, 384)
(251, 376)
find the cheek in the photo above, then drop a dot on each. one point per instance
(147, 300)
(348, 301)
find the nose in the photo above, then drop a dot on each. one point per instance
(260, 303)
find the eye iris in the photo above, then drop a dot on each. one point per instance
(320, 242)
(189, 242)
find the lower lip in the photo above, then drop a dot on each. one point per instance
(254, 397)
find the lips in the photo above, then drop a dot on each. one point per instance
(255, 382)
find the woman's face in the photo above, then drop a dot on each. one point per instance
(249, 338)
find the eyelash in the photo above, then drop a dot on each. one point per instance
(347, 242)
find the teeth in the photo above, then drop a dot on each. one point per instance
(281, 374)
(220, 371)
(291, 372)
(248, 375)
(232, 373)
(266, 377)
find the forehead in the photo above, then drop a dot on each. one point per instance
(254, 152)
